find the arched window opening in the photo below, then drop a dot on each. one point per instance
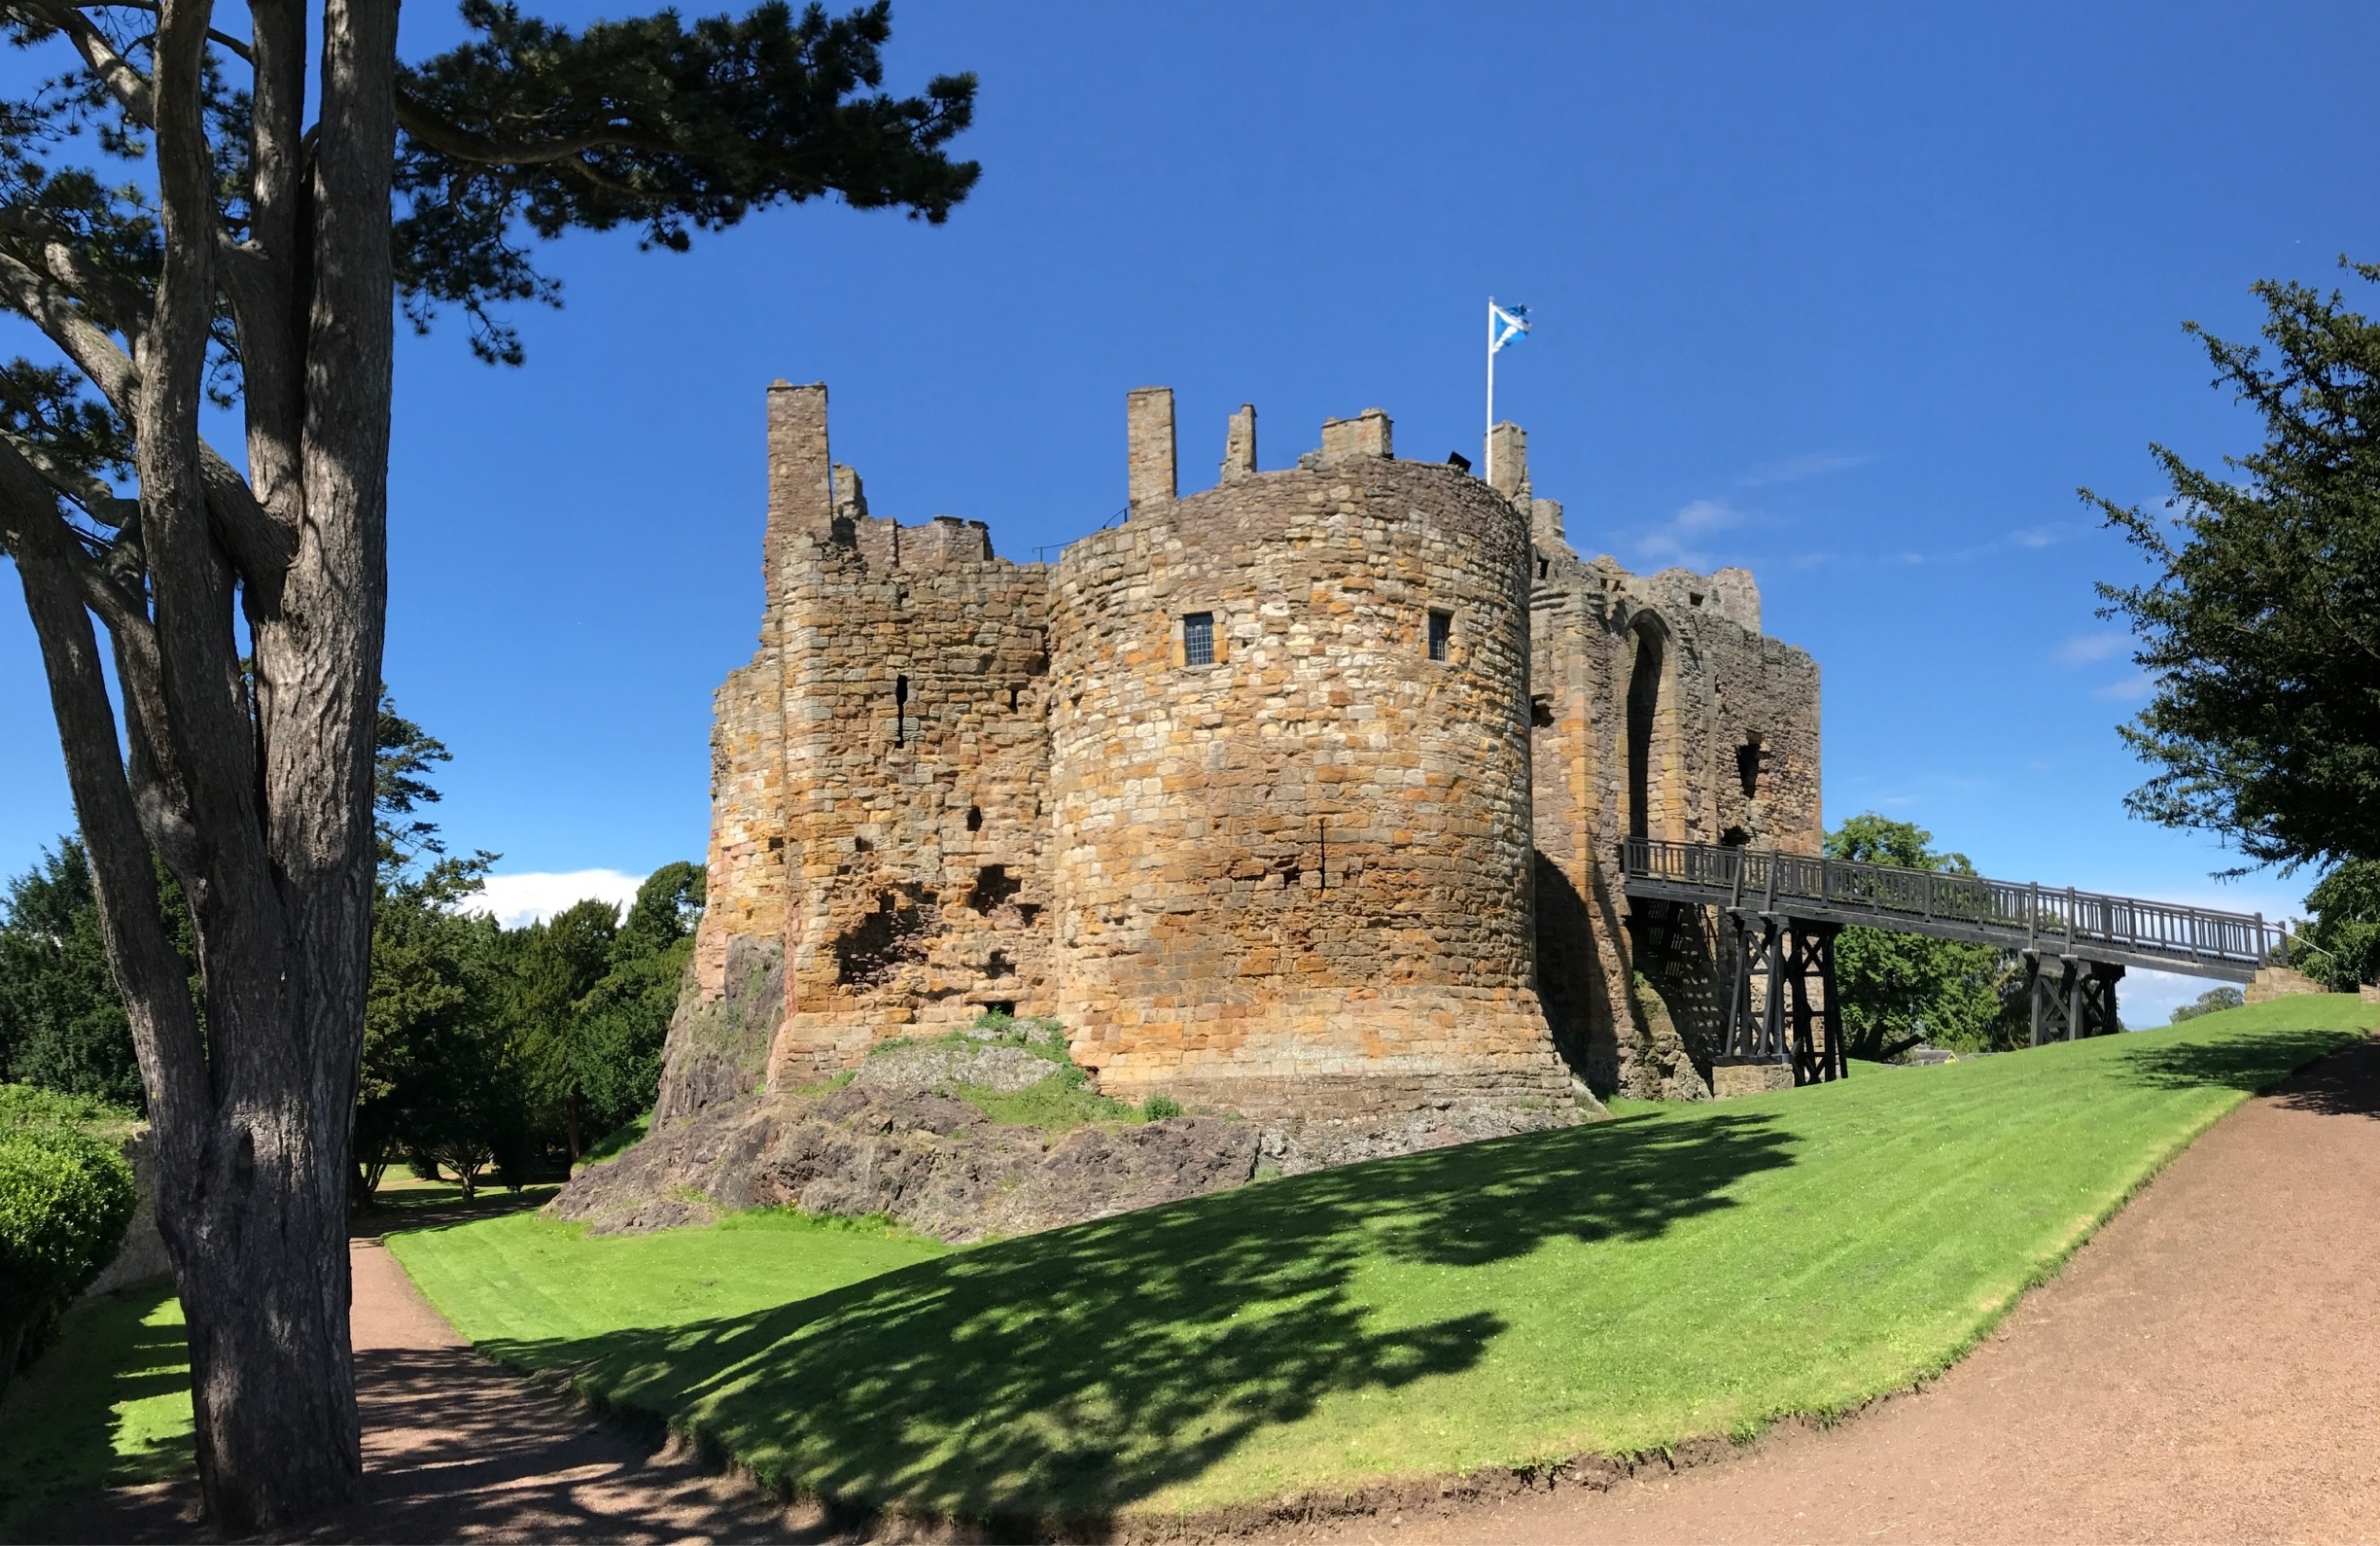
(1643, 711)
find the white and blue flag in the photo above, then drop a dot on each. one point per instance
(1506, 324)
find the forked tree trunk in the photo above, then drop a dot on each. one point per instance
(254, 784)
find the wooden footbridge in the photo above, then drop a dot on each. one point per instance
(1781, 912)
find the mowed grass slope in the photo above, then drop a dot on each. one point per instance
(108, 1406)
(1615, 1289)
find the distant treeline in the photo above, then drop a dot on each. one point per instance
(486, 1048)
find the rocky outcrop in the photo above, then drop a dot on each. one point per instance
(895, 1139)
(930, 1161)
(719, 1047)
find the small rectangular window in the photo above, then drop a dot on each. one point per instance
(1441, 630)
(1197, 639)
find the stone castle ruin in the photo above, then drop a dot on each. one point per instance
(1304, 793)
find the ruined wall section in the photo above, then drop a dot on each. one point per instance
(1730, 747)
(916, 776)
(1297, 877)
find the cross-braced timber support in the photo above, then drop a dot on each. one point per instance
(1781, 1007)
(2071, 997)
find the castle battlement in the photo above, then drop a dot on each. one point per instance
(1301, 791)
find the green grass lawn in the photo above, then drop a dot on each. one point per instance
(108, 1406)
(1614, 1288)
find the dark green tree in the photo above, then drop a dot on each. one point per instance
(2341, 947)
(1901, 990)
(261, 258)
(2261, 626)
(61, 1025)
(627, 1014)
(553, 966)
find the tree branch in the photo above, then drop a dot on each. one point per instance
(130, 87)
(122, 301)
(154, 979)
(43, 301)
(234, 44)
(464, 145)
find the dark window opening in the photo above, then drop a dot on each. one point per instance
(1441, 633)
(1544, 564)
(873, 951)
(997, 964)
(1014, 693)
(1643, 707)
(994, 885)
(1007, 1006)
(1197, 639)
(974, 818)
(860, 845)
(900, 710)
(1748, 765)
(1541, 712)
(1734, 837)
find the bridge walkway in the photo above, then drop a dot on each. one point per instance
(1783, 911)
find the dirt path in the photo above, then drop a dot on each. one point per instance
(456, 1448)
(2206, 1369)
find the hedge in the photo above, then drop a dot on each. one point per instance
(66, 1196)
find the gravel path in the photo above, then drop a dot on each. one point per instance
(2206, 1369)
(457, 1448)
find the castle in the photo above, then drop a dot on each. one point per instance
(1303, 791)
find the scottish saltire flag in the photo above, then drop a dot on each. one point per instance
(1506, 324)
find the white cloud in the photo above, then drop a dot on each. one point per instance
(1677, 541)
(535, 895)
(2084, 649)
(2037, 536)
(1794, 469)
(2132, 690)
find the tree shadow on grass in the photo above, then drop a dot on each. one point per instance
(60, 1417)
(2254, 1061)
(1047, 1381)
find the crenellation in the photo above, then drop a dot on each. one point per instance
(1303, 792)
(1148, 440)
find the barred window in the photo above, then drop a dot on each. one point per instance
(1441, 630)
(1197, 639)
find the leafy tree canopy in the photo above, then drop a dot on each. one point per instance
(2262, 625)
(2341, 947)
(1901, 990)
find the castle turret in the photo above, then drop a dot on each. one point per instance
(1290, 785)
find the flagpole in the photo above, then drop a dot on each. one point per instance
(1490, 458)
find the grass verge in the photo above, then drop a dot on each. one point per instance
(1615, 1288)
(108, 1406)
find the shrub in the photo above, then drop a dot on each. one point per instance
(2210, 1001)
(1160, 1107)
(66, 1196)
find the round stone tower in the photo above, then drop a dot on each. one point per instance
(1291, 862)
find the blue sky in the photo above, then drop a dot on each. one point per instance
(1854, 296)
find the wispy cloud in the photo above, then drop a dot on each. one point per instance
(2084, 648)
(1680, 539)
(533, 896)
(2132, 690)
(1795, 468)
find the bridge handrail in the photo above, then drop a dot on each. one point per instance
(2024, 915)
